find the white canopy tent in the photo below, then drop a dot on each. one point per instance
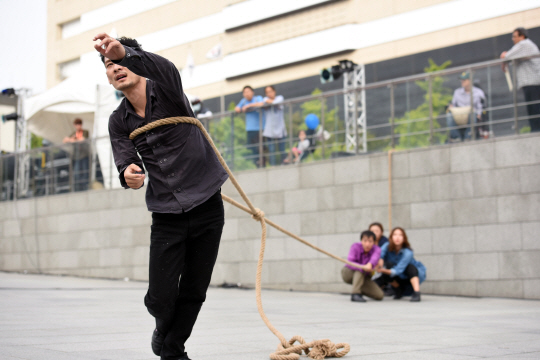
(51, 114)
(88, 97)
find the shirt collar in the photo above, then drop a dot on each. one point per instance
(149, 89)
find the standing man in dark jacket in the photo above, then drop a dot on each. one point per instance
(183, 191)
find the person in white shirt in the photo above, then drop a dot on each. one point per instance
(275, 130)
(462, 98)
(527, 73)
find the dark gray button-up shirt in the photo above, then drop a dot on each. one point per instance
(183, 169)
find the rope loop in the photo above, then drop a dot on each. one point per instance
(259, 215)
(316, 350)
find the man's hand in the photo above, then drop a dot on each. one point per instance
(246, 107)
(237, 109)
(133, 179)
(109, 47)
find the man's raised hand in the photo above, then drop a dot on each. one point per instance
(109, 47)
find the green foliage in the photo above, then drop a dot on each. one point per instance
(408, 124)
(220, 131)
(525, 130)
(36, 141)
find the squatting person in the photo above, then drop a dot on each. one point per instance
(366, 254)
(401, 269)
(183, 191)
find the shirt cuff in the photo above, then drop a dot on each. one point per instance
(128, 58)
(392, 272)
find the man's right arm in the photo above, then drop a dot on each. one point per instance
(126, 159)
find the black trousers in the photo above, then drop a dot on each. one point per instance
(183, 251)
(411, 271)
(532, 93)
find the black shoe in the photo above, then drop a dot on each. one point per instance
(415, 296)
(389, 291)
(157, 342)
(398, 293)
(357, 298)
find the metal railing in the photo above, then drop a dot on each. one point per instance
(402, 113)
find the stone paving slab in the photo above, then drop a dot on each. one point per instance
(68, 318)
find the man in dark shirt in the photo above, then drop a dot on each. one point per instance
(183, 191)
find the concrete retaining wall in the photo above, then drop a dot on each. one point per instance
(471, 211)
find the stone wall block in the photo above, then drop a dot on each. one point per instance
(294, 249)
(477, 266)
(352, 220)
(420, 240)
(270, 203)
(529, 233)
(519, 265)
(500, 288)
(505, 237)
(351, 171)
(300, 201)
(453, 240)
(474, 211)
(496, 182)
(284, 179)
(317, 223)
(515, 152)
(438, 267)
(472, 156)
(378, 167)
(285, 272)
(518, 208)
(529, 178)
(290, 222)
(460, 288)
(410, 190)
(369, 194)
(432, 214)
(429, 162)
(400, 165)
(316, 175)
(531, 289)
(253, 182)
(321, 271)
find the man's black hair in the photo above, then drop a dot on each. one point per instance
(132, 43)
(271, 87)
(248, 87)
(368, 233)
(522, 32)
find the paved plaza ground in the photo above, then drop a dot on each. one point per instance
(66, 318)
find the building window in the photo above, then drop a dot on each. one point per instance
(68, 68)
(71, 28)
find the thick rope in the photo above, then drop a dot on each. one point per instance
(318, 349)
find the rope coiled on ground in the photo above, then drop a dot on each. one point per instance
(318, 349)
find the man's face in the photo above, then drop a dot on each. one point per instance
(248, 94)
(78, 127)
(270, 93)
(466, 84)
(516, 38)
(121, 78)
(367, 243)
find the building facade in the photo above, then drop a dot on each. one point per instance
(221, 45)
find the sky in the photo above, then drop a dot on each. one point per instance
(23, 33)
